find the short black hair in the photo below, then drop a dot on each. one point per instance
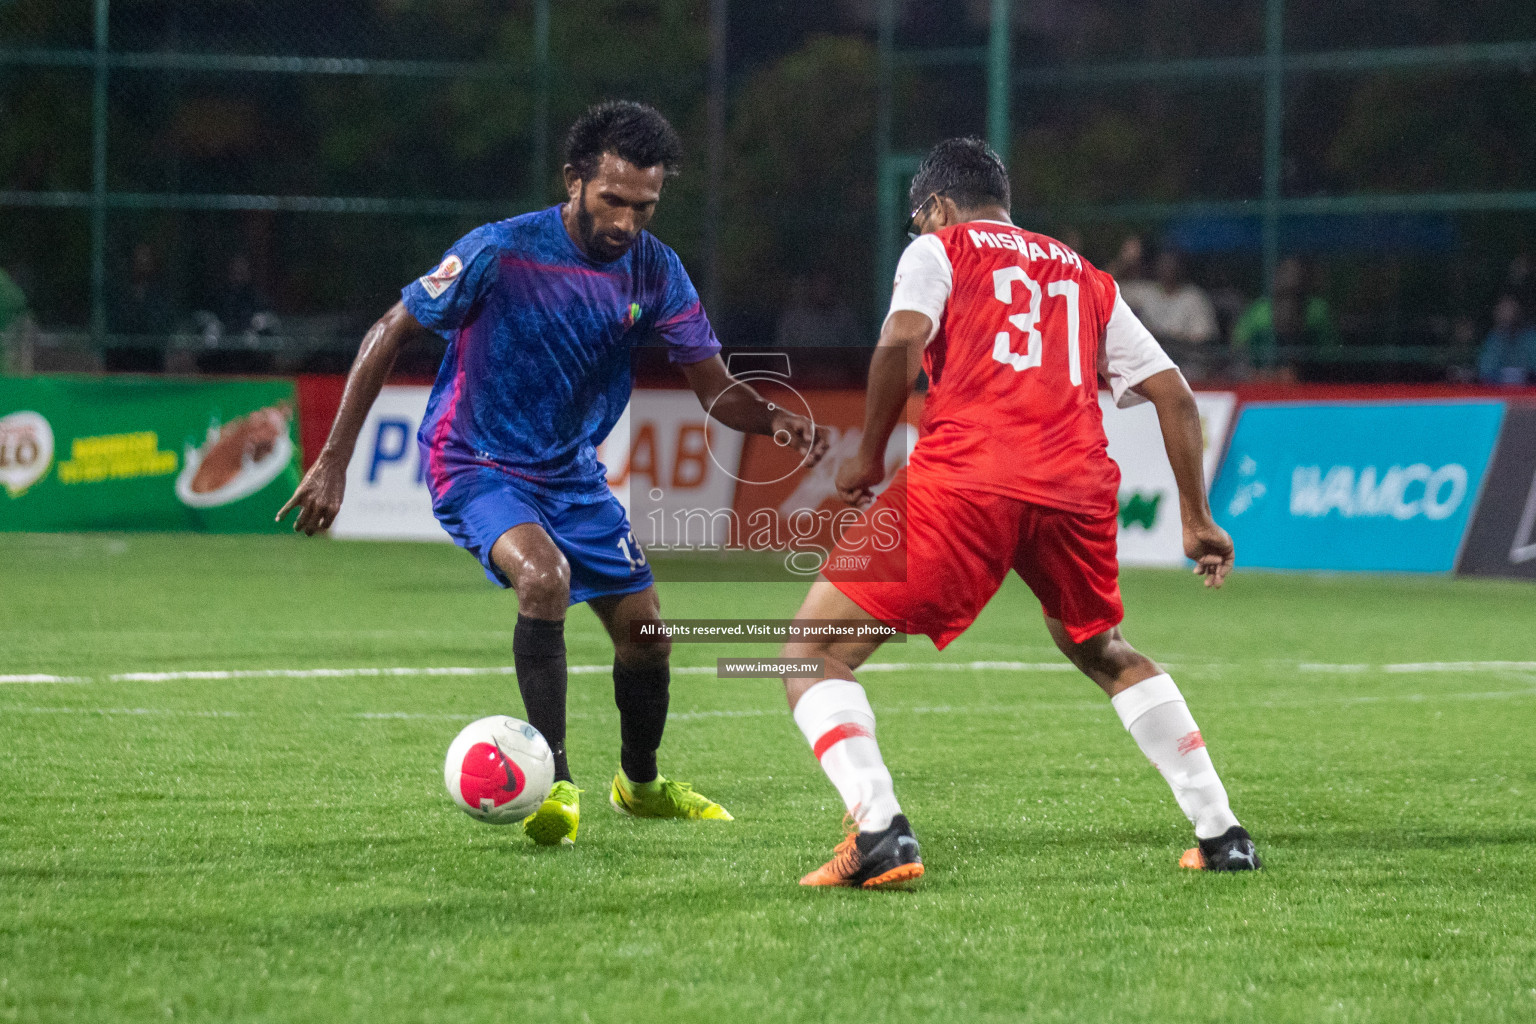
(629, 130)
(965, 170)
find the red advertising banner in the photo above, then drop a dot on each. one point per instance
(769, 478)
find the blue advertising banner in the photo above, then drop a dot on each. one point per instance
(1354, 485)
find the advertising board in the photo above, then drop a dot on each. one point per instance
(1381, 486)
(386, 497)
(143, 454)
(1502, 538)
(1150, 531)
(688, 481)
(662, 450)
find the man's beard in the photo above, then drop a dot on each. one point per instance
(603, 248)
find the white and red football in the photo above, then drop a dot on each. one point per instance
(499, 769)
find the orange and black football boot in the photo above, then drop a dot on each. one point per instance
(1231, 851)
(873, 860)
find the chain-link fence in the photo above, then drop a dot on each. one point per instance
(1377, 162)
(236, 185)
(241, 186)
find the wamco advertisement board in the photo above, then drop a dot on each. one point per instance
(1380, 486)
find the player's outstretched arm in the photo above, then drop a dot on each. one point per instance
(1206, 543)
(318, 497)
(740, 407)
(893, 371)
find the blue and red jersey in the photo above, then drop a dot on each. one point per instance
(537, 370)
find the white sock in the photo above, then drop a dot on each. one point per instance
(1155, 715)
(839, 724)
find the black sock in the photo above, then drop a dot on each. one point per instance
(641, 694)
(538, 653)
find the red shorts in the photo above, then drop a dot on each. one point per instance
(957, 546)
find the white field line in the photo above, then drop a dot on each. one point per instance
(407, 671)
(1026, 707)
(443, 716)
(1351, 668)
(124, 711)
(224, 675)
(1419, 698)
(1462, 666)
(39, 678)
(314, 673)
(968, 666)
(415, 716)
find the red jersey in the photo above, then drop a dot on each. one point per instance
(1013, 366)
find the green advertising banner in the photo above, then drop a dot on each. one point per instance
(142, 454)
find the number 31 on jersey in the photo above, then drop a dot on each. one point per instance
(1028, 321)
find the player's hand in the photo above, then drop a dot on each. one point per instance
(857, 479)
(801, 434)
(318, 497)
(1210, 547)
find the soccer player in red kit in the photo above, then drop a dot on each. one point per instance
(1011, 471)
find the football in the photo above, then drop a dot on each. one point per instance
(499, 769)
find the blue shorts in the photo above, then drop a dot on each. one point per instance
(480, 503)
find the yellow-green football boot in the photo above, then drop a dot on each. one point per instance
(663, 798)
(557, 817)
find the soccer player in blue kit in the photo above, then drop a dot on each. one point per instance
(540, 313)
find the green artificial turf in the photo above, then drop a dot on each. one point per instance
(283, 849)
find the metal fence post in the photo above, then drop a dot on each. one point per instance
(714, 116)
(99, 181)
(1274, 127)
(999, 52)
(885, 182)
(539, 186)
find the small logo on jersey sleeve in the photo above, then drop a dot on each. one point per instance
(631, 315)
(440, 279)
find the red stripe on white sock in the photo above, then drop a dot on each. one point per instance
(836, 735)
(1191, 742)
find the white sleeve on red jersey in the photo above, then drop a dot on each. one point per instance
(1130, 354)
(924, 279)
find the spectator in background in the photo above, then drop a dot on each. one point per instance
(241, 306)
(13, 304)
(139, 307)
(240, 317)
(1178, 313)
(15, 328)
(1128, 264)
(1071, 236)
(1172, 307)
(1295, 319)
(814, 316)
(1520, 281)
(1509, 351)
(1227, 299)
